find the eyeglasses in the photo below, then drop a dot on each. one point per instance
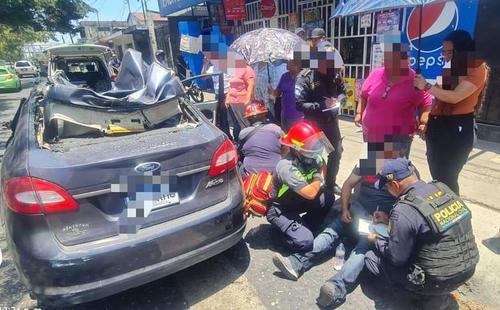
(386, 92)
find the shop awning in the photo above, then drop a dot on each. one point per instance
(171, 6)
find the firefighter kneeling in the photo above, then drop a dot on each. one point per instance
(299, 188)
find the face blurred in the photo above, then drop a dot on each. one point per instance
(396, 62)
(293, 66)
(315, 42)
(302, 35)
(447, 50)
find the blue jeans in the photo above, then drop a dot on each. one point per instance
(323, 245)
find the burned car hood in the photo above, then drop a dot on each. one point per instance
(137, 85)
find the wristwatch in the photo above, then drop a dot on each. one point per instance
(427, 86)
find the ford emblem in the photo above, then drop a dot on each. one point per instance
(147, 167)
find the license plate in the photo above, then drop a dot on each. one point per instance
(166, 200)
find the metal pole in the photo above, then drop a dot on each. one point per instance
(98, 24)
(151, 30)
(419, 71)
(128, 3)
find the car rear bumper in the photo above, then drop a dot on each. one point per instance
(59, 296)
(58, 275)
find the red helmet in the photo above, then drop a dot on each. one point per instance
(254, 108)
(307, 139)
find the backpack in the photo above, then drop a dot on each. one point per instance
(257, 189)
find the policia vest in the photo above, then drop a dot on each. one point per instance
(452, 249)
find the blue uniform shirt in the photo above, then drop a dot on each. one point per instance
(407, 227)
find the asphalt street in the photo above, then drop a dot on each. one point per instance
(244, 277)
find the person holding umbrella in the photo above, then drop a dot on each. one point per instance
(450, 130)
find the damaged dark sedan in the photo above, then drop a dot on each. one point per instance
(107, 185)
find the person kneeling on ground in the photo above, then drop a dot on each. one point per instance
(369, 201)
(299, 188)
(430, 250)
(259, 144)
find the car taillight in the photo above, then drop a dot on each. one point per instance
(9, 77)
(27, 195)
(225, 159)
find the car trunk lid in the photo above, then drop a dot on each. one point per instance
(123, 184)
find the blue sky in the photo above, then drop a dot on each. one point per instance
(111, 10)
(117, 9)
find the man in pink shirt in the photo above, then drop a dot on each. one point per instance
(389, 103)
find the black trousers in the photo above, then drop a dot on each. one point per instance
(296, 221)
(236, 112)
(394, 275)
(222, 121)
(449, 142)
(330, 127)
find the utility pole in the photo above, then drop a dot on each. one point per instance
(128, 3)
(151, 28)
(98, 24)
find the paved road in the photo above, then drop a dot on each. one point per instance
(244, 277)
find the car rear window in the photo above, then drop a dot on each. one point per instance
(4, 71)
(22, 64)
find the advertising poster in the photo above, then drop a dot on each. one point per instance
(235, 9)
(377, 56)
(387, 21)
(366, 21)
(349, 105)
(293, 20)
(438, 20)
(268, 8)
(312, 19)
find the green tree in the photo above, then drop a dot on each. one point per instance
(43, 15)
(12, 41)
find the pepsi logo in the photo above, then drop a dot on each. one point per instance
(438, 20)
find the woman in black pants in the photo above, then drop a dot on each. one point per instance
(450, 129)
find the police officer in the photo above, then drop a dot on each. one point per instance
(299, 188)
(316, 91)
(431, 249)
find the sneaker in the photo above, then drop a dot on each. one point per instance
(328, 297)
(285, 266)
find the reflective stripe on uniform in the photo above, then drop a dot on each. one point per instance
(284, 188)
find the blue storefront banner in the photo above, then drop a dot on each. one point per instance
(438, 21)
(171, 6)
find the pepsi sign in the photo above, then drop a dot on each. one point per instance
(438, 20)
